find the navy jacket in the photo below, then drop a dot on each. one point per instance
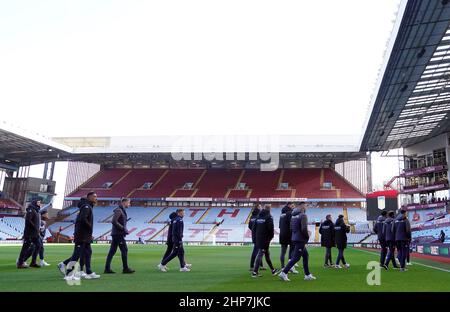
(32, 222)
(251, 222)
(388, 229)
(84, 224)
(172, 217)
(299, 227)
(326, 231)
(285, 226)
(177, 230)
(119, 222)
(402, 228)
(264, 229)
(378, 227)
(340, 232)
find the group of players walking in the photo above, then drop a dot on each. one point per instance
(78, 265)
(294, 236)
(394, 232)
(293, 239)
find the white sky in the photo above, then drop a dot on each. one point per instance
(87, 68)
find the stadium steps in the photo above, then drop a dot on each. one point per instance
(121, 178)
(247, 220)
(157, 215)
(237, 183)
(322, 178)
(104, 234)
(153, 185)
(345, 212)
(194, 192)
(280, 178)
(317, 235)
(157, 233)
(86, 182)
(212, 232)
(203, 215)
(200, 178)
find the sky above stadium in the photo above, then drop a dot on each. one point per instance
(191, 67)
(111, 68)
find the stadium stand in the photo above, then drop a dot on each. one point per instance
(7, 203)
(217, 183)
(228, 224)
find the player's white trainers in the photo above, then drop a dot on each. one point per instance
(71, 277)
(284, 277)
(162, 268)
(409, 263)
(293, 270)
(62, 268)
(188, 265)
(92, 276)
(42, 263)
(82, 274)
(185, 269)
(309, 277)
(296, 265)
(347, 265)
(337, 266)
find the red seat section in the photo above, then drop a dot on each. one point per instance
(217, 182)
(8, 204)
(306, 182)
(262, 183)
(238, 194)
(98, 180)
(135, 180)
(171, 182)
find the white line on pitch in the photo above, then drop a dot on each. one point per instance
(425, 265)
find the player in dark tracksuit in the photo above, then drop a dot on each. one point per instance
(169, 241)
(285, 232)
(42, 230)
(340, 233)
(300, 237)
(326, 231)
(118, 233)
(264, 232)
(389, 237)
(378, 229)
(251, 222)
(402, 230)
(84, 225)
(31, 234)
(177, 239)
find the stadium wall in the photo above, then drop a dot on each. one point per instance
(77, 174)
(355, 172)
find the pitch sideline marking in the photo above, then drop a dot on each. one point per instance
(425, 265)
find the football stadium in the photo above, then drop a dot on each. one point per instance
(145, 186)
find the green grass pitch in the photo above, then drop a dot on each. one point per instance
(219, 268)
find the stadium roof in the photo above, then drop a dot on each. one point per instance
(411, 102)
(19, 147)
